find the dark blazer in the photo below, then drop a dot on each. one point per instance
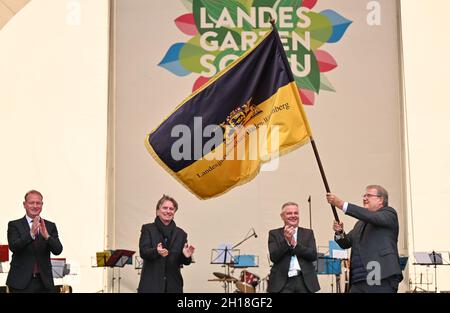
(280, 255)
(158, 270)
(26, 252)
(376, 235)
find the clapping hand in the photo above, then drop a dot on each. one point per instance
(43, 229)
(188, 250)
(289, 232)
(35, 227)
(162, 251)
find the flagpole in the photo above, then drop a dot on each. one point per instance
(322, 173)
(313, 143)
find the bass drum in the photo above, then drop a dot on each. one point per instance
(63, 289)
(243, 287)
(248, 282)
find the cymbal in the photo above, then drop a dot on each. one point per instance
(223, 279)
(244, 287)
(224, 276)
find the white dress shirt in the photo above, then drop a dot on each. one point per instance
(294, 266)
(344, 207)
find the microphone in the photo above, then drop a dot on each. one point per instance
(254, 233)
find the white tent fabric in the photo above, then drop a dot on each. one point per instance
(9, 8)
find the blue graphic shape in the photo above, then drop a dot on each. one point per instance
(171, 60)
(340, 25)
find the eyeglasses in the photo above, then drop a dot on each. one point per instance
(368, 195)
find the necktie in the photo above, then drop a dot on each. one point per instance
(31, 225)
(35, 245)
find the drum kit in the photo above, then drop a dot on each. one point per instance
(229, 257)
(246, 283)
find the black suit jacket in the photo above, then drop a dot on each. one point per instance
(157, 271)
(376, 235)
(280, 255)
(26, 252)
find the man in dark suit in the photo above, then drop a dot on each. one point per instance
(292, 250)
(163, 247)
(374, 261)
(31, 239)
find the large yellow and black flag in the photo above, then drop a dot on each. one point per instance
(247, 114)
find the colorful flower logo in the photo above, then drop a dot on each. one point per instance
(222, 30)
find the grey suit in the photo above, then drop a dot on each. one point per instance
(376, 236)
(280, 255)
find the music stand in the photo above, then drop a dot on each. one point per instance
(433, 258)
(120, 258)
(336, 252)
(58, 267)
(112, 259)
(334, 264)
(102, 257)
(245, 260)
(327, 265)
(224, 255)
(138, 264)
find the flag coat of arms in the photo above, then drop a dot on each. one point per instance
(247, 114)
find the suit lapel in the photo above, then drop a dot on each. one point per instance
(172, 239)
(299, 235)
(26, 227)
(281, 235)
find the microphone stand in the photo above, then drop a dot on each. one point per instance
(244, 240)
(226, 283)
(435, 271)
(310, 216)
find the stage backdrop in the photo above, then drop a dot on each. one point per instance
(353, 96)
(53, 116)
(428, 151)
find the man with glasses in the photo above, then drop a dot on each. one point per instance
(374, 261)
(31, 239)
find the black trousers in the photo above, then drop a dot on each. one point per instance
(387, 285)
(295, 284)
(34, 286)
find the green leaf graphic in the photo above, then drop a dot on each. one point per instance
(312, 80)
(320, 29)
(191, 53)
(294, 4)
(187, 4)
(325, 83)
(225, 53)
